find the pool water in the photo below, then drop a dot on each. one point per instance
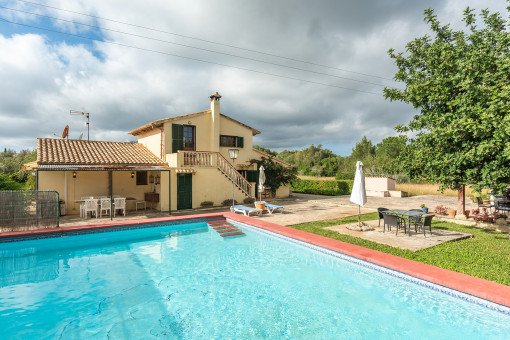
(185, 281)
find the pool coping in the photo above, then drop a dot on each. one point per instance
(488, 290)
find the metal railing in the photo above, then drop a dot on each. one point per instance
(214, 159)
(28, 209)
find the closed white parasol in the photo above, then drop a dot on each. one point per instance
(358, 194)
(262, 180)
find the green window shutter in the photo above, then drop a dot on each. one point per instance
(177, 138)
(240, 142)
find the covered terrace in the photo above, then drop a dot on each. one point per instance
(78, 169)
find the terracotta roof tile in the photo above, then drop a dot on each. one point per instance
(83, 152)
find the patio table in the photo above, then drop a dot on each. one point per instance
(405, 213)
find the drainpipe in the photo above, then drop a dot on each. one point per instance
(162, 144)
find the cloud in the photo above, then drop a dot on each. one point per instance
(46, 75)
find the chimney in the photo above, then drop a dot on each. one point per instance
(215, 121)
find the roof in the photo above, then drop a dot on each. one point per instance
(51, 151)
(159, 123)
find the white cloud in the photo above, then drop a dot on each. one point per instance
(123, 88)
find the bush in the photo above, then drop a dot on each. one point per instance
(441, 210)
(330, 188)
(249, 200)
(228, 202)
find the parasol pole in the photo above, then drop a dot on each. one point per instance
(359, 215)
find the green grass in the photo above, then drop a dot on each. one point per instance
(486, 255)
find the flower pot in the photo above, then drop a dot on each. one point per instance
(206, 205)
(260, 206)
(425, 210)
(452, 212)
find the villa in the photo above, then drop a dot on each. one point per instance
(177, 163)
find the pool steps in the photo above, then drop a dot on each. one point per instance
(224, 229)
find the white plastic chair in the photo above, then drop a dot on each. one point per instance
(119, 204)
(90, 205)
(82, 205)
(105, 206)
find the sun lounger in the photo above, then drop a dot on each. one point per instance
(271, 208)
(246, 210)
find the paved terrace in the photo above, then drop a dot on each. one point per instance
(301, 208)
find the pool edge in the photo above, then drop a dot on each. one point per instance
(488, 290)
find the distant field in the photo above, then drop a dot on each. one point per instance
(411, 188)
(428, 189)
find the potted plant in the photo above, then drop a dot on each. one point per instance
(452, 212)
(441, 210)
(466, 212)
(424, 208)
(206, 204)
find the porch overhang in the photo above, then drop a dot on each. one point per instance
(88, 167)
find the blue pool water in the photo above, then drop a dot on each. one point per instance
(185, 281)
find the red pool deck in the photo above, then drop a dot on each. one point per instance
(484, 289)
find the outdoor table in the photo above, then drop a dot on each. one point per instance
(405, 213)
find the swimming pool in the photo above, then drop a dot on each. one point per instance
(183, 280)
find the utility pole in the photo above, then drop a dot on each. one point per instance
(86, 115)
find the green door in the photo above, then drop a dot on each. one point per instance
(184, 191)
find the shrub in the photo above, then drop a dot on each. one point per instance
(276, 174)
(249, 200)
(441, 210)
(206, 203)
(228, 202)
(331, 188)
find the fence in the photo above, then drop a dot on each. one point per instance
(26, 210)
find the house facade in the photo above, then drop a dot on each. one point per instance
(182, 160)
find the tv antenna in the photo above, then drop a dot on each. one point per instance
(86, 115)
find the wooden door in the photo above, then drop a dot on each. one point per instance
(184, 189)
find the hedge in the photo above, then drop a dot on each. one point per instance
(330, 188)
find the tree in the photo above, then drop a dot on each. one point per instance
(6, 183)
(460, 83)
(364, 150)
(388, 154)
(276, 174)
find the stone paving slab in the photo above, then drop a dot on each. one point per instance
(414, 242)
(297, 212)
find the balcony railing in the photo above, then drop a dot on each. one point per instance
(213, 159)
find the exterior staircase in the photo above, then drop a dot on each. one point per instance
(190, 159)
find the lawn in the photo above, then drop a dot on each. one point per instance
(486, 255)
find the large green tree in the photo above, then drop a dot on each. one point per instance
(459, 82)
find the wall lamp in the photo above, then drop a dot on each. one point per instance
(132, 175)
(151, 179)
(158, 179)
(74, 174)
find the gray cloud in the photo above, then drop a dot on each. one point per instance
(123, 88)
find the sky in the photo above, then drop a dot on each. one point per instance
(301, 72)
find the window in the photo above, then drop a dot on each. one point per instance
(188, 132)
(232, 141)
(141, 178)
(228, 141)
